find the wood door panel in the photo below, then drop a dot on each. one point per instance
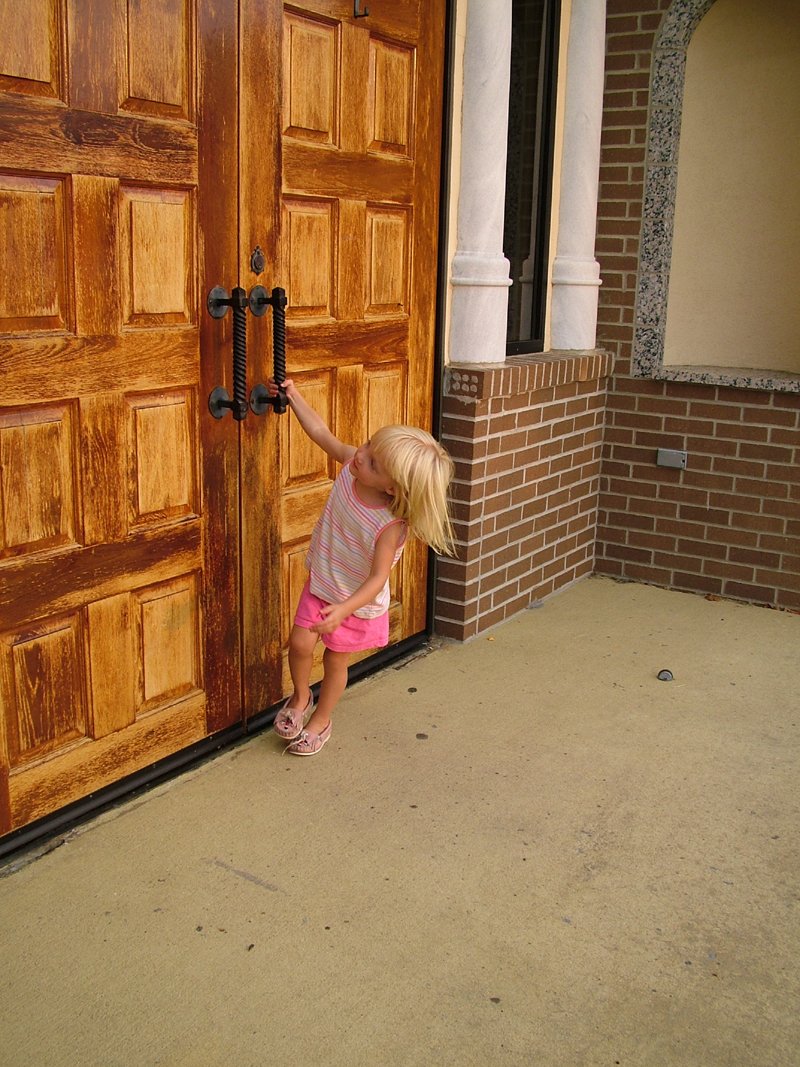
(31, 57)
(39, 665)
(93, 55)
(35, 254)
(387, 261)
(96, 250)
(92, 365)
(112, 664)
(390, 110)
(311, 109)
(39, 470)
(158, 41)
(338, 342)
(35, 133)
(157, 256)
(39, 585)
(309, 245)
(45, 786)
(161, 425)
(323, 173)
(359, 187)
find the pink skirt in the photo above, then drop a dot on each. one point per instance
(352, 635)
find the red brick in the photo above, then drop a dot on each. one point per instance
(706, 410)
(772, 416)
(756, 521)
(785, 437)
(624, 552)
(621, 62)
(712, 481)
(741, 591)
(787, 473)
(739, 466)
(653, 575)
(659, 542)
(630, 42)
(728, 571)
(676, 560)
(637, 80)
(622, 23)
(728, 535)
(788, 508)
(774, 453)
(744, 397)
(455, 631)
(762, 488)
(788, 601)
(702, 549)
(754, 557)
(697, 583)
(688, 426)
(631, 522)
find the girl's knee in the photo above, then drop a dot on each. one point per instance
(302, 641)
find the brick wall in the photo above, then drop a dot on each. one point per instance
(526, 438)
(730, 523)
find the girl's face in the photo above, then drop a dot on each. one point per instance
(369, 471)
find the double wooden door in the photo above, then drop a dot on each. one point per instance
(151, 554)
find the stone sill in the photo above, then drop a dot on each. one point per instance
(734, 377)
(525, 374)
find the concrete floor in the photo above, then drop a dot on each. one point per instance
(525, 850)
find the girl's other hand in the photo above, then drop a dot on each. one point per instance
(331, 616)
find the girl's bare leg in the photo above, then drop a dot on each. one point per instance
(333, 685)
(301, 657)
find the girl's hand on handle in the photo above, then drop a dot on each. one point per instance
(287, 386)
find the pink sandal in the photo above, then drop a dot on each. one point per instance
(289, 721)
(309, 743)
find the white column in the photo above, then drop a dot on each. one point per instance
(479, 271)
(576, 273)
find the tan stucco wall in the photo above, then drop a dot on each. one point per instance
(736, 245)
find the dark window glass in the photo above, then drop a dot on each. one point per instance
(529, 168)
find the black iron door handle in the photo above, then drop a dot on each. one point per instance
(218, 302)
(260, 399)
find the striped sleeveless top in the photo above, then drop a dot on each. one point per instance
(342, 545)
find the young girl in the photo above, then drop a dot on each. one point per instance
(395, 482)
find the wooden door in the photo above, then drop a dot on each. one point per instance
(359, 182)
(119, 494)
(150, 555)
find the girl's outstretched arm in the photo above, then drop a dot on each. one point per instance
(313, 423)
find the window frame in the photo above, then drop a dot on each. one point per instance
(542, 185)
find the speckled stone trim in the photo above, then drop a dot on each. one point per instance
(658, 215)
(737, 377)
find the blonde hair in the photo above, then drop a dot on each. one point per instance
(421, 471)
